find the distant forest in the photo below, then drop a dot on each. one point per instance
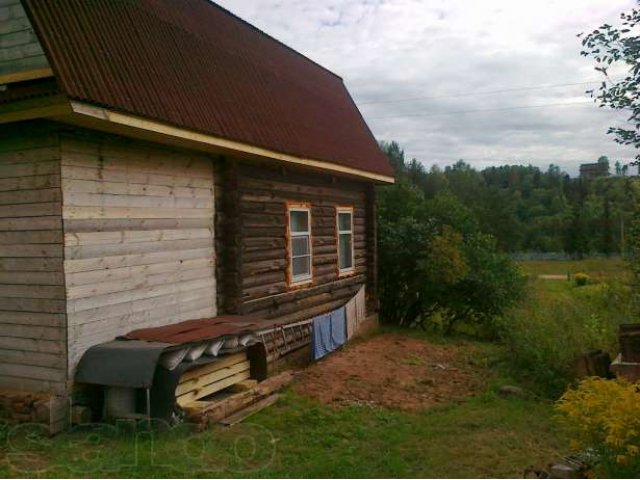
(530, 210)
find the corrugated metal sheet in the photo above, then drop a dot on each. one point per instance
(195, 65)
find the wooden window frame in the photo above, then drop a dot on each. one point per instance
(344, 272)
(308, 279)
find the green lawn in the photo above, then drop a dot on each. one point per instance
(597, 268)
(486, 436)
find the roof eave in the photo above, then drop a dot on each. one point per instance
(92, 116)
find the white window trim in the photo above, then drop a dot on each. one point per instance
(296, 280)
(352, 268)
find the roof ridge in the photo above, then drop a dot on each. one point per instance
(253, 27)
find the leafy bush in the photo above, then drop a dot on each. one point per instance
(434, 263)
(604, 417)
(581, 279)
(557, 323)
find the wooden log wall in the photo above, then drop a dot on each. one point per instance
(261, 220)
(139, 237)
(32, 292)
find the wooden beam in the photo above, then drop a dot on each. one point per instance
(124, 124)
(25, 75)
(34, 108)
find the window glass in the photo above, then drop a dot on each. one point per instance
(344, 221)
(300, 244)
(345, 239)
(299, 221)
(346, 251)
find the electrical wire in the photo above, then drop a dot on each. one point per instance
(518, 107)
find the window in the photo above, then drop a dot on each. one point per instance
(300, 244)
(344, 220)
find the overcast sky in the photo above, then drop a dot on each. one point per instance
(416, 67)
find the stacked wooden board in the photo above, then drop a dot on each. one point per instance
(200, 382)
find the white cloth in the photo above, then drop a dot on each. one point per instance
(355, 312)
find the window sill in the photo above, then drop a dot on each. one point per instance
(346, 273)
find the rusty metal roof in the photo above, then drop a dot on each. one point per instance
(195, 65)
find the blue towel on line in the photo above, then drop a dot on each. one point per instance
(329, 332)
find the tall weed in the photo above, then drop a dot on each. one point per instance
(558, 322)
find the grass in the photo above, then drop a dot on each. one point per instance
(597, 268)
(560, 321)
(299, 437)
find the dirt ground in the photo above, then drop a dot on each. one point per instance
(393, 371)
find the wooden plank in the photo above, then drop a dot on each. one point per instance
(33, 236)
(30, 331)
(32, 318)
(31, 223)
(126, 273)
(34, 196)
(198, 383)
(125, 177)
(129, 160)
(120, 224)
(212, 388)
(133, 212)
(32, 372)
(29, 154)
(250, 410)
(120, 188)
(32, 291)
(31, 345)
(30, 182)
(135, 236)
(44, 305)
(109, 299)
(26, 169)
(138, 201)
(46, 250)
(28, 384)
(43, 264)
(21, 357)
(138, 281)
(112, 250)
(138, 311)
(222, 362)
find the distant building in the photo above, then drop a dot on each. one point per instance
(594, 170)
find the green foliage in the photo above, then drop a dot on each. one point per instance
(529, 210)
(604, 417)
(436, 266)
(618, 46)
(581, 279)
(559, 322)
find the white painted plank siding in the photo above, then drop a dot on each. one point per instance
(138, 238)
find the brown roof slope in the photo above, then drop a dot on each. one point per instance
(195, 65)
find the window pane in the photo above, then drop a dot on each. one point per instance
(300, 246)
(346, 253)
(300, 267)
(299, 221)
(344, 221)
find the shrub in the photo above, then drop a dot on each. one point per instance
(581, 279)
(556, 324)
(603, 416)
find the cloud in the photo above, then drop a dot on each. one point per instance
(444, 56)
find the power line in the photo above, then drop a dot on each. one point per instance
(519, 107)
(490, 92)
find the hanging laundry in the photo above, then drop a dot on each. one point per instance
(355, 311)
(328, 333)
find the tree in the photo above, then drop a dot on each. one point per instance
(614, 46)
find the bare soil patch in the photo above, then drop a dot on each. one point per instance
(394, 371)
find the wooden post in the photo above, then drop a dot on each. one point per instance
(231, 240)
(371, 236)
